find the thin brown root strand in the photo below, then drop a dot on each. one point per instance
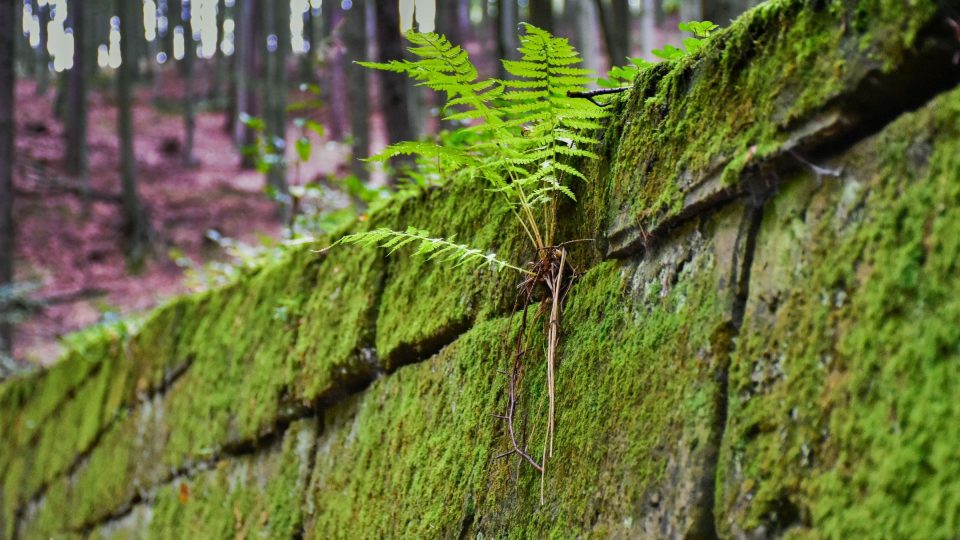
(550, 271)
(553, 338)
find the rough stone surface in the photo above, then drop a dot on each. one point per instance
(763, 342)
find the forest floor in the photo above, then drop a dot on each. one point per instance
(70, 252)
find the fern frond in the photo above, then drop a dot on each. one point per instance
(451, 156)
(444, 250)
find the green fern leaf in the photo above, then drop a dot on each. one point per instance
(444, 250)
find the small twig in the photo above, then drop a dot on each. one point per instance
(590, 95)
(820, 172)
(577, 241)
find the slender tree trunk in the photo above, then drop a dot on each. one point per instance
(135, 226)
(19, 62)
(189, 97)
(248, 75)
(172, 14)
(76, 129)
(276, 22)
(336, 90)
(97, 15)
(219, 60)
(450, 20)
(230, 109)
(650, 18)
(506, 33)
(307, 64)
(7, 75)
(621, 28)
(139, 47)
(355, 36)
(587, 35)
(43, 55)
(615, 23)
(541, 14)
(393, 86)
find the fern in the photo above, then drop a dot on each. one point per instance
(525, 130)
(619, 76)
(444, 250)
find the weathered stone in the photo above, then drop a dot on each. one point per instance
(762, 343)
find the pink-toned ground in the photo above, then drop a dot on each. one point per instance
(73, 252)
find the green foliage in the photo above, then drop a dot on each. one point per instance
(521, 133)
(444, 250)
(619, 76)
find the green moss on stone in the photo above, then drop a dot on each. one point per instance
(745, 95)
(840, 420)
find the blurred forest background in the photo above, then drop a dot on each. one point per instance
(153, 147)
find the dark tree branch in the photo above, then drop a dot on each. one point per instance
(592, 94)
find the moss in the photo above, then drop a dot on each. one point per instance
(838, 417)
(747, 94)
(424, 304)
(413, 455)
(838, 426)
(241, 497)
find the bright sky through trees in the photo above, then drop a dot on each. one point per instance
(203, 25)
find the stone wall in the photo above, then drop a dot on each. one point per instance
(763, 343)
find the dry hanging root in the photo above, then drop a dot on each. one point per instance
(552, 271)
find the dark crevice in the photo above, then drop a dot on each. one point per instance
(749, 230)
(742, 264)
(413, 353)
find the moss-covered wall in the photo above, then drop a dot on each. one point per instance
(764, 341)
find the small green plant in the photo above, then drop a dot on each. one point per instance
(620, 76)
(520, 138)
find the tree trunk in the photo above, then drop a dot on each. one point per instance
(453, 20)
(171, 17)
(219, 59)
(541, 14)
(76, 129)
(135, 226)
(246, 74)
(189, 98)
(615, 23)
(355, 36)
(336, 91)
(43, 55)
(276, 22)
(230, 109)
(7, 51)
(307, 63)
(139, 48)
(649, 20)
(506, 33)
(393, 86)
(587, 35)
